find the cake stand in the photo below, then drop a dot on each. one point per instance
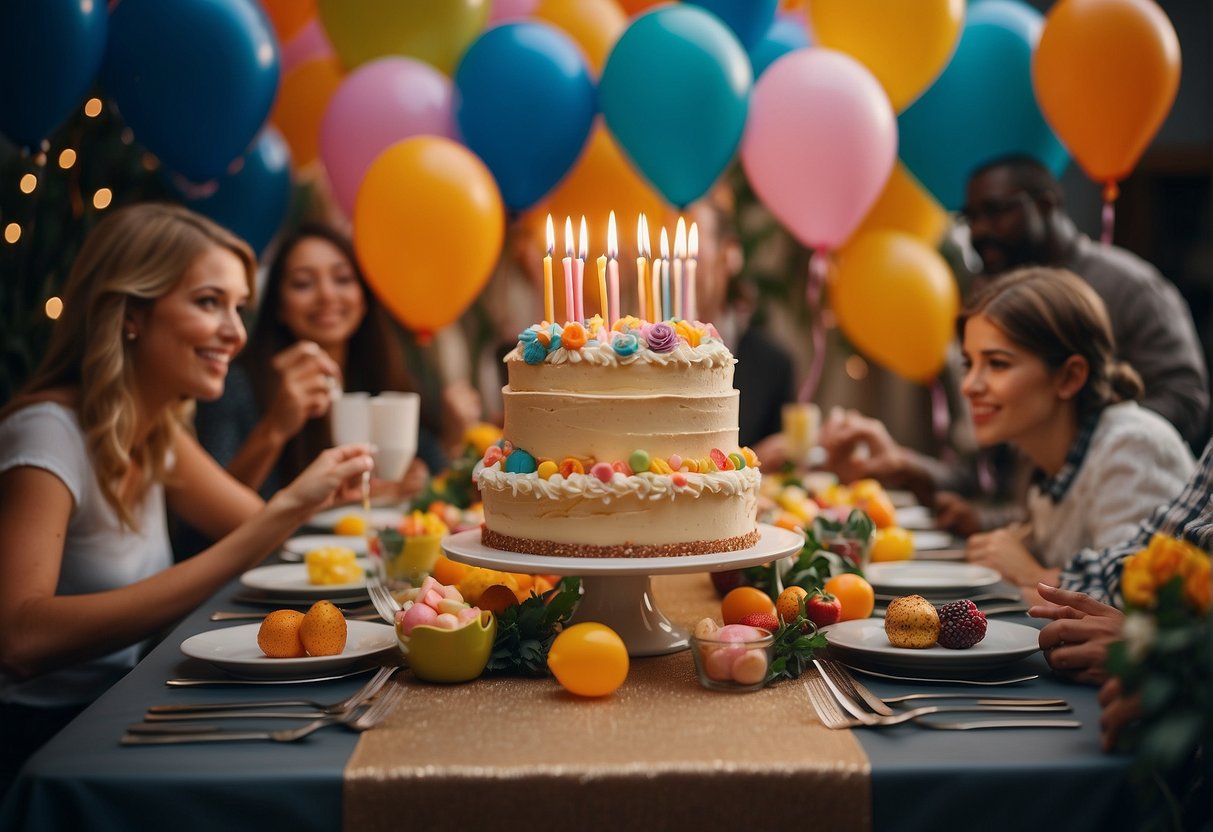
(617, 592)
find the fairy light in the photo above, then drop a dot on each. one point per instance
(12, 232)
(92, 107)
(54, 308)
(102, 198)
(28, 183)
(67, 158)
(857, 368)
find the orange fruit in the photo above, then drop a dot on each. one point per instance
(788, 603)
(323, 631)
(855, 593)
(449, 572)
(880, 509)
(351, 525)
(497, 598)
(743, 601)
(278, 636)
(589, 659)
(893, 543)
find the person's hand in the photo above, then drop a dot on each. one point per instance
(461, 407)
(955, 514)
(843, 434)
(306, 374)
(334, 477)
(1118, 711)
(1002, 549)
(772, 451)
(1075, 642)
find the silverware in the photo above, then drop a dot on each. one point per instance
(225, 709)
(879, 705)
(352, 613)
(986, 682)
(384, 601)
(186, 682)
(945, 597)
(1001, 609)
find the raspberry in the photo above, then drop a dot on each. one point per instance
(961, 625)
(761, 619)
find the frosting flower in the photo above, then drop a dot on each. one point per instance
(573, 337)
(688, 333)
(527, 336)
(534, 352)
(661, 337)
(627, 322)
(625, 343)
(594, 322)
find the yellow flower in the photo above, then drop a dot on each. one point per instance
(627, 322)
(1165, 555)
(481, 435)
(1197, 588)
(1136, 583)
(688, 333)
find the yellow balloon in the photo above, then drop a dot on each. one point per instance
(906, 45)
(428, 227)
(1105, 74)
(299, 108)
(594, 24)
(896, 300)
(905, 205)
(434, 31)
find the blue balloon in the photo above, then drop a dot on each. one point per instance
(982, 106)
(193, 79)
(783, 37)
(253, 201)
(675, 92)
(749, 19)
(524, 103)
(50, 51)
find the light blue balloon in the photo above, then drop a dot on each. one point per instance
(784, 36)
(675, 92)
(252, 202)
(982, 106)
(749, 19)
(524, 103)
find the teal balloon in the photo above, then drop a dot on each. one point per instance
(749, 19)
(675, 92)
(982, 106)
(784, 36)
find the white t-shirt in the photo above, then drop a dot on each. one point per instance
(98, 552)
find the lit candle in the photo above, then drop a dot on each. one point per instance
(642, 261)
(692, 264)
(549, 303)
(680, 254)
(613, 269)
(579, 273)
(667, 311)
(568, 269)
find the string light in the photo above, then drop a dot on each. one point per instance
(67, 158)
(28, 183)
(92, 107)
(54, 308)
(12, 232)
(857, 368)
(102, 198)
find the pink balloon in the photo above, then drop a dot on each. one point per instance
(505, 10)
(376, 106)
(819, 143)
(309, 44)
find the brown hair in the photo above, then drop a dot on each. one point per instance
(1054, 314)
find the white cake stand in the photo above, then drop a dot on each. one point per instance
(617, 591)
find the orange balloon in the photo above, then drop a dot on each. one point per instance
(428, 227)
(635, 7)
(300, 106)
(289, 16)
(594, 24)
(905, 205)
(1106, 73)
(896, 301)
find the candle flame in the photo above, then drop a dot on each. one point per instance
(551, 236)
(612, 237)
(642, 236)
(680, 239)
(693, 242)
(583, 238)
(568, 236)
(665, 244)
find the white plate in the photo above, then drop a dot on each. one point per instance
(926, 541)
(379, 517)
(917, 576)
(290, 579)
(235, 650)
(900, 498)
(914, 518)
(864, 641)
(298, 547)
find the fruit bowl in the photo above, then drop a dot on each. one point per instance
(436, 654)
(729, 662)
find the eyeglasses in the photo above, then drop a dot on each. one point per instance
(993, 209)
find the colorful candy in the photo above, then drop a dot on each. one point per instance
(639, 460)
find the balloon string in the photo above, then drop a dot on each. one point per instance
(1110, 192)
(819, 268)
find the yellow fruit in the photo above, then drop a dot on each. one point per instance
(589, 659)
(912, 621)
(788, 603)
(893, 543)
(477, 580)
(332, 565)
(278, 636)
(856, 595)
(323, 631)
(449, 572)
(351, 525)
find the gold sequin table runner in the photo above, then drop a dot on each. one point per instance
(660, 753)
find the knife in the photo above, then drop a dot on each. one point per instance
(182, 683)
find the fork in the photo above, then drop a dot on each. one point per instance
(157, 713)
(386, 605)
(372, 716)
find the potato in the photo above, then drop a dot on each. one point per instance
(912, 621)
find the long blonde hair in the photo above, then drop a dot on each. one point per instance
(133, 257)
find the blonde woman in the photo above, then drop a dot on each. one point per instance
(93, 450)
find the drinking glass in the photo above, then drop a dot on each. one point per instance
(393, 426)
(800, 425)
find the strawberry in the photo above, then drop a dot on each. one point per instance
(822, 608)
(765, 620)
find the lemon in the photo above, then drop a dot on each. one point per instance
(351, 525)
(589, 659)
(892, 543)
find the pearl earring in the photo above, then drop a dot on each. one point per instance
(130, 335)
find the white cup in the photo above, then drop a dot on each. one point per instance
(351, 418)
(393, 432)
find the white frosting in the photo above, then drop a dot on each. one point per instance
(647, 485)
(710, 353)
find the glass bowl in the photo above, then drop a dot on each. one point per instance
(731, 664)
(436, 654)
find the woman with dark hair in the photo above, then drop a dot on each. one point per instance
(1041, 374)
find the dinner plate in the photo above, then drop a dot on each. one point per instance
(864, 641)
(926, 541)
(379, 517)
(900, 498)
(914, 518)
(235, 650)
(297, 547)
(919, 576)
(290, 579)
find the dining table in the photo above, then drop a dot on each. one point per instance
(507, 753)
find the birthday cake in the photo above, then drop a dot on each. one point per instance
(619, 442)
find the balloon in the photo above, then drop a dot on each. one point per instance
(435, 31)
(635, 7)
(503, 11)
(289, 17)
(982, 107)
(49, 54)
(525, 105)
(428, 227)
(819, 144)
(785, 35)
(301, 103)
(253, 201)
(309, 44)
(674, 93)
(594, 24)
(749, 19)
(904, 44)
(1106, 73)
(896, 301)
(376, 106)
(194, 79)
(904, 205)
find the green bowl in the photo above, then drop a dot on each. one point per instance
(438, 655)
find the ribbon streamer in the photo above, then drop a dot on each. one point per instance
(1110, 193)
(819, 269)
